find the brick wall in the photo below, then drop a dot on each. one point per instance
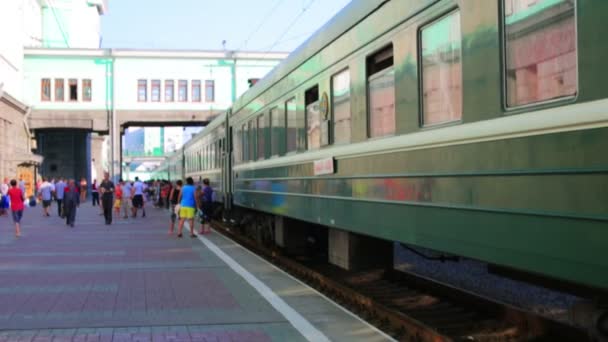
(13, 138)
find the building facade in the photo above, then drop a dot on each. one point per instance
(34, 23)
(106, 91)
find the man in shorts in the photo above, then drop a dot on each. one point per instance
(138, 197)
(17, 197)
(46, 195)
(188, 204)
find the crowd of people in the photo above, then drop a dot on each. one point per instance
(185, 202)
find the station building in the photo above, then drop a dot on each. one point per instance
(71, 101)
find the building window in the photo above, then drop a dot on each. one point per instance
(73, 84)
(182, 90)
(196, 91)
(441, 71)
(155, 90)
(340, 102)
(313, 119)
(169, 89)
(59, 90)
(277, 132)
(381, 90)
(45, 89)
(540, 39)
(292, 125)
(87, 90)
(209, 91)
(142, 90)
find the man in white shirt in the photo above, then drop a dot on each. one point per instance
(46, 194)
(138, 197)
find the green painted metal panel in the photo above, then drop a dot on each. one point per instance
(570, 195)
(569, 249)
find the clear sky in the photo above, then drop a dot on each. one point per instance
(258, 25)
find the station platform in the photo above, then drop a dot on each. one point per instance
(131, 281)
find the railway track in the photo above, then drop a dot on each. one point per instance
(413, 308)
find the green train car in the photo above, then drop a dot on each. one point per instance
(204, 156)
(476, 128)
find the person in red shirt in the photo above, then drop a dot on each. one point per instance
(17, 197)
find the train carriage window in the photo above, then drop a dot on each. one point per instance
(313, 118)
(441, 70)
(300, 128)
(261, 141)
(245, 140)
(208, 157)
(205, 158)
(238, 149)
(252, 139)
(217, 153)
(214, 154)
(381, 93)
(278, 128)
(540, 39)
(340, 102)
(291, 124)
